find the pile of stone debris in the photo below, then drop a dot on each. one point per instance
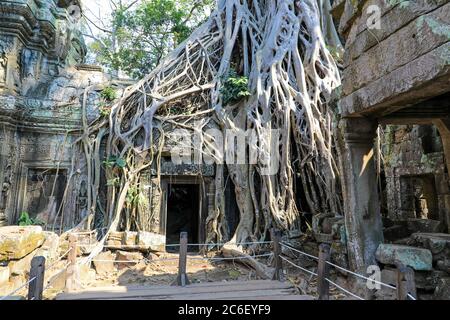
(18, 246)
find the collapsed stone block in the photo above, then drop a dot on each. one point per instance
(129, 238)
(135, 257)
(50, 247)
(424, 225)
(152, 241)
(4, 275)
(437, 243)
(416, 258)
(104, 263)
(16, 241)
(442, 291)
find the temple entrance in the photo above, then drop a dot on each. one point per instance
(183, 212)
(419, 198)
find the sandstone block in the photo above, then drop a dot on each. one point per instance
(4, 275)
(442, 291)
(152, 241)
(104, 263)
(416, 258)
(16, 241)
(129, 238)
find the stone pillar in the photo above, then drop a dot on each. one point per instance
(359, 182)
(443, 126)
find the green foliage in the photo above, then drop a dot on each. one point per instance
(234, 88)
(105, 111)
(115, 161)
(133, 196)
(25, 220)
(115, 182)
(144, 34)
(109, 94)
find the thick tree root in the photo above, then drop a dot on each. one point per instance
(278, 45)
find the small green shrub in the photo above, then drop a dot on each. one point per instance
(234, 88)
(104, 111)
(109, 94)
(25, 220)
(114, 161)
(115, 182)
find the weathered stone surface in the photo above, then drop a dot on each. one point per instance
(442, 291)
(428, 280)
(392, 53)
(416, 258)
(392, 21)
(21, 266)
(4, 275)
(424, 225)
(50, 247)
(152, 241)
(114, 238)
(133, 258)
(104, 263)
(87, 275)
(129, 238)
(430, 72)
(395, 232)
(443, 264)
(437, 243)
(57, 280)
(16, 242)
(87, 241)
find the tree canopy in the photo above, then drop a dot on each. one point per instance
(141, 34)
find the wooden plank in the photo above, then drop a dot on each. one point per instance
(129, 292)
(269, 283)
(210, 295)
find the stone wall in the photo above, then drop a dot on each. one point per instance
(42, 80)
(416, 178)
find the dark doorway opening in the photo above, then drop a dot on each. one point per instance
(43, 194)
(182, 214)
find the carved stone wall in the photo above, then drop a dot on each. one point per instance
(42, 80)
(416, 179)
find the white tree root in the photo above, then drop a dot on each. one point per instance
(279, 46)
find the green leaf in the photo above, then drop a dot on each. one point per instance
(122, 163)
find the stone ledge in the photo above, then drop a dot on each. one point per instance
(425, 77)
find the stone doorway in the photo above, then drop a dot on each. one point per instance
(419, 198)
(182, 212)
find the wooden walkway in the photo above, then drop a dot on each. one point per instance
(233, 290)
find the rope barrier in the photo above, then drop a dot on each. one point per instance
(55, 275)
(341, 268)
(177, 244)
(16, 290)
(301, 252)
(343, 289)
(59, 259)
(230, 258)
(411, 297)
(361, 276)
(190, 258)
(301, 268)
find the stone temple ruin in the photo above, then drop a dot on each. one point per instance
(397, 78)
(396, 190)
